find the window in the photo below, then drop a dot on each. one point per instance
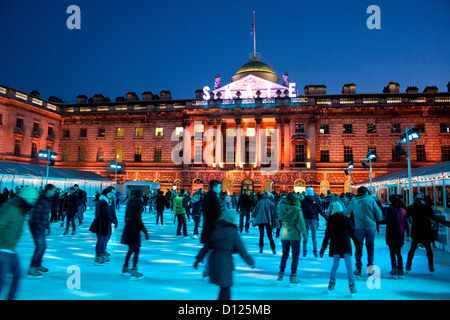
(118, 154)
(374, 150)
(299, 153)
(347, 129)
(119, 132)
(35, 127)
(65, 154)
(230, 156)
(270, 132)
(34, 153)
(420, 128)
(19, 123)
(139, 132)
(83, 133)
(371, 128)
(102, 132)
(178, 131)
(157, 156)
(445, 128)
(348, 153)
(159, 132)
(420, 153)
(395, 128)
(1, 119)
(198, 153)
(445, 153)
(100, 154)
(50, 131)
(198, 128)
(17, 147)
(324, 129)
(138, 154)
(231, 132)
(324, 155)
(66, 133)
(299, 128)
(251, 132)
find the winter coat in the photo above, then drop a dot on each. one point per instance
(339, 231)
(12, 217)
(365, 211)
(133, 223)
(39, 214)
(293, 222)
(264, 212)
(421, 213)
(71, 204)
(211, 212)
(245, 203)
(101, 224)
(160, 202)
(311, 208)
(224, 241)
(196, 207)
(396, 224)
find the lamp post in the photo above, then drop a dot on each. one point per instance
(48, 155)
(116, 166)
(408, 135)
(348, 171)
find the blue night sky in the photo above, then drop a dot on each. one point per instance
(181, 45)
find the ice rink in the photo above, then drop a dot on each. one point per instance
(167, 264)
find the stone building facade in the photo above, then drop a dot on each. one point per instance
(311, 137)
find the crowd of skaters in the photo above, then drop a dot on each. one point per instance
(293, 216)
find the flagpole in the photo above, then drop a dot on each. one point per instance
(254, 35)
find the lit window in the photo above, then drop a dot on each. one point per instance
(139, 132)
(118, 156)
(251, 132)
(178, 131)
(231, 132)
(270, 132)
(119, 132)
(159, 132)
(198, 128)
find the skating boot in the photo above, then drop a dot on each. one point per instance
(135, 275)
(106, 257)
(294, 281)
(280, 276)
(42, 270)
(357, 274)
(126, 271)
(394, 273)
(401, 274)
(352, 289)
(331, 286)
(33, 273)
(99, 260)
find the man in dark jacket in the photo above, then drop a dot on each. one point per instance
(71, 209)
(245, 207)
(12, 217)
(39, 224)
(160, 204)
(311, 210)
(211, 209)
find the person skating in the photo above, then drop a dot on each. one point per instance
(223, 242)
(132, 233)
(39, 224)
(421, 231)
(365, 212)
(396, 225)
(180, 213)
(263, 216)
(293, 230)
(311, 209)
(12, 217)
(71, 210)
(338, 233)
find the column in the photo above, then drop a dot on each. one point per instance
(287, 143)
(279, 154)
(186, 142)
(258, 142)
(312, 141)
(238, 145)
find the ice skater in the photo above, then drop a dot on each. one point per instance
(132, 233)
(223, 242)
(339, 231)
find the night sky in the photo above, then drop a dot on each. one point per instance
(181, 45)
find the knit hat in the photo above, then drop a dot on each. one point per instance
(309, 192)
(29, 195)
(337, 207)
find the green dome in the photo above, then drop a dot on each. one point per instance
(257, 68)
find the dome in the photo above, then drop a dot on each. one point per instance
(257, 68)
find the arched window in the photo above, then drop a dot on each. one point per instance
(247, 184)
(268, 185)
(299, 185)
(324, 186)
(197, 184)
(227, 185)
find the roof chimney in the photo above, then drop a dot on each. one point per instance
(392, 87)
(349, 88)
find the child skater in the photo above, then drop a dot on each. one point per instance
(339, 231)
(132, 233)
(224, 241)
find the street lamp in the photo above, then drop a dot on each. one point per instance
(348, 172)
(117, 167)
(370, 156)
(50, 156)
(408, 135)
